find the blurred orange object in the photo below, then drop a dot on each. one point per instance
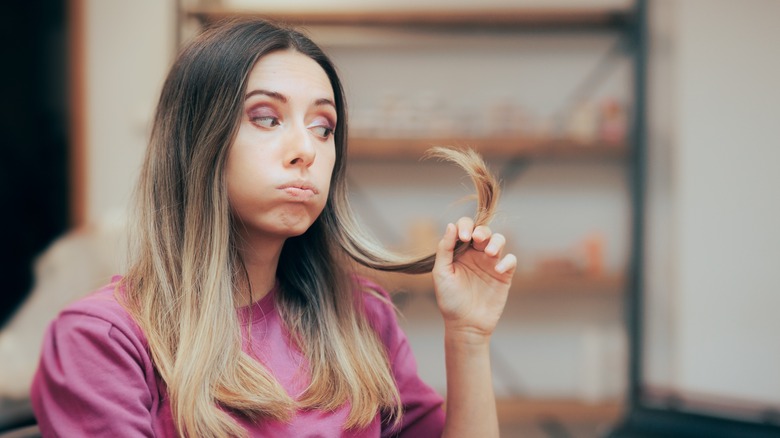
(594, 255)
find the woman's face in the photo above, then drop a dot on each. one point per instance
(279, 166)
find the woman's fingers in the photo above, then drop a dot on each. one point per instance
(495, 245)
(444, 252)
(465, 228)
(480, 237)
(507, 265)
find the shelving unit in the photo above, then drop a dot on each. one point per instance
(494, 147)
(523, 411)
(529, 284)
(510, 149)
(529, 17)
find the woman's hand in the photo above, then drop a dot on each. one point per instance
(472, 290)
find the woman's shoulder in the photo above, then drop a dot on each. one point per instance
(95, 376)
(378, 307)
(102, 308)
(375, 297)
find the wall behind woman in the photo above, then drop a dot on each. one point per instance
(128, 48)
(714, 240)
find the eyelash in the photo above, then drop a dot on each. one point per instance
(328, 131)
(257, 120)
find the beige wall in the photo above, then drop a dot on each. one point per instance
(129, 46)
(725, 240)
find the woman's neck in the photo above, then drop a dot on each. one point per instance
(260, 262)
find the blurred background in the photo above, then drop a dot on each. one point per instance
(638, 171)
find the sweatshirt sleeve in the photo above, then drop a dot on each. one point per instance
(92, 380)
(423, 413)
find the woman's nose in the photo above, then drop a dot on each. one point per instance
(300, 149)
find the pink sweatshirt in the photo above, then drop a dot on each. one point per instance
(96, 377)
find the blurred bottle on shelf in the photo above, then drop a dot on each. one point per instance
(499, 119)
(593, 246)
(584, 258)
(389, 117)
(435, 118)
(614, 122)
(431, 116)
(602, 363)
(583, 123)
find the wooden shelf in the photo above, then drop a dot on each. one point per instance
(609, 284)
(537, 285)
(526, 410)
(539, 17)
(494, 147)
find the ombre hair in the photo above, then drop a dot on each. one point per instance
(185, 266)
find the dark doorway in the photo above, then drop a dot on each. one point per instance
(34, 127)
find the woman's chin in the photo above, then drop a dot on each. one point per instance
(294, 230)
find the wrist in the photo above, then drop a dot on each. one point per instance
(465, 336)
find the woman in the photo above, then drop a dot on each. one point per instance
(240, 315)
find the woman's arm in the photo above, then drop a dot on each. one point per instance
(471, 292)
(91, 381)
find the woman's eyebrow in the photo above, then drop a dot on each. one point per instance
(320, 102)
(271, 94)
(282, 98)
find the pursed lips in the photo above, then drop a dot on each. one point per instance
(299, 189)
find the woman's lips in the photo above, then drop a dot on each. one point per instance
(299, 190)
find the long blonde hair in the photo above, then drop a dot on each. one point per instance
(185, 266)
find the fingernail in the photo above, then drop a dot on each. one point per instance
(501, 267)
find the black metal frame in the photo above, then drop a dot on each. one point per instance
(637, 35)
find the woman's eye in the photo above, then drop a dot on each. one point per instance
(322, 131)
(265, 121)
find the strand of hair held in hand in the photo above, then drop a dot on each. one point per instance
(372, 255)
